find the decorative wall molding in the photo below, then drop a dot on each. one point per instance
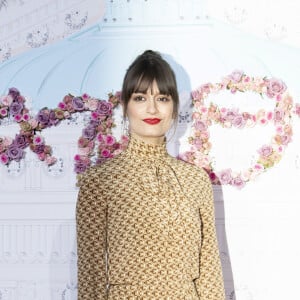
(35, 290)
(38, 242)
(31, 24)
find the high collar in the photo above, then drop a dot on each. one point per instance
(142, 149)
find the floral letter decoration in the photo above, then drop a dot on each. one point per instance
(98, 135)
(99, 128)
(203, 116)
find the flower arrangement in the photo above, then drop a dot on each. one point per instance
(99, 131)
(97, 143)
(100, 126)
(203, 117)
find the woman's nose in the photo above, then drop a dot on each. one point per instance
(152, 106)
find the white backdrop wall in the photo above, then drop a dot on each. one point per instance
(257, 226)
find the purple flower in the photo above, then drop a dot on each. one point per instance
(275, 87)
(43, 117)
(13, 92)
(21, 141)
(265, 151)
(225, 176)
(15, 152)
(16, 108)
(238, 182)
(78, 104)
(89, 132)
(238, 121)
(231, 115)
(39, 148)
(104, 108)
(80, 167)
(236, 75)
(94, 123)
(52, 118)
(199, 125)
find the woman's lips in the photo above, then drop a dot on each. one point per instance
(152, 121)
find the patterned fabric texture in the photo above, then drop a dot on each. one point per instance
(146, 229)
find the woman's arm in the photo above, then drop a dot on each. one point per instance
(91, 242)
(210, 284)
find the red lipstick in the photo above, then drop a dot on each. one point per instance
(152, 121)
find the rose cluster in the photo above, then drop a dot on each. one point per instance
(99, 132)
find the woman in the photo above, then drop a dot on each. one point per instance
(145, 220)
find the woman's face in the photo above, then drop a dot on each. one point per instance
(150, 115)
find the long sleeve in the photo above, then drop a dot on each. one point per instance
(91, 241)
(210, 284)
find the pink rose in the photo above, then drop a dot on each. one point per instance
(258, 167)
(84, 151)
(3, 112)
(7, 100)
(238, 182)
(4, 158)
(85, 96)
(92, 104)
(18, 118)
(94, 115)
(263, 121)
(265, 150)
(196, 95)
(38, 140)
(197, 143)
(109, 140)
(278, 115)
(105, 153)
(275, 87)
(238, 121)
(77, 157)
(100, 138)
(285, 139)
(225, 176)
(223, 110)
(109, 122)
(42, 156)
(50, 160)
(62, 105)
(213, 177)
(33, 123)
(270, 116)
(67, 115)
(199, 125)
(231, 115)
(236, 75)
(7, 141)
(82, 142)
(297, 109)
(205, 88)
(26, 117)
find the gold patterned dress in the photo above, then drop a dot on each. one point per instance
(146, 229)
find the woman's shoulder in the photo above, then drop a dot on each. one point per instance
(100, 173)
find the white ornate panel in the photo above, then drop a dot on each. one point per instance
(257, 226)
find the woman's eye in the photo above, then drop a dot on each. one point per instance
(139, 98)
(164, 99)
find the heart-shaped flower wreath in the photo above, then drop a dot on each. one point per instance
(203, 117)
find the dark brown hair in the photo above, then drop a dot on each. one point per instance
(145, 69)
